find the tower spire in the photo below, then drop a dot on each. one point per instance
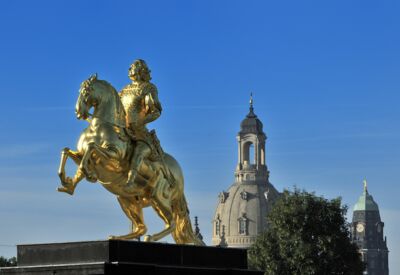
(251, 102)
(197, 229)
(251, 108)
(365, 185)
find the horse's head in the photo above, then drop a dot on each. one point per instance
(100, 95)
(87, 98)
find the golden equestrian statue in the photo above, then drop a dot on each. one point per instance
(117, 150)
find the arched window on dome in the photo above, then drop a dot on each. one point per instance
(262, 156)
(252, 156)
(248, 153)
(242, 225)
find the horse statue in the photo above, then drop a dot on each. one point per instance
(103, 153)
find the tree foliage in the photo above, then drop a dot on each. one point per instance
(307, 235)
(4, 262)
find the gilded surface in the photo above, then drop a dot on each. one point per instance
(117, 150)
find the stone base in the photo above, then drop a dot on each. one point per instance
(127, 257)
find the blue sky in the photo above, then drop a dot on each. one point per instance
(325, 79)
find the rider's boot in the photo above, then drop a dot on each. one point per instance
(142, 151)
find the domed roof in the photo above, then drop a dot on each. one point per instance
(251, 124)
(249, 202)
(366, 202)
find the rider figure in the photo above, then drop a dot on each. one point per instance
(141, 104)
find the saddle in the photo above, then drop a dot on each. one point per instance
(157, 153)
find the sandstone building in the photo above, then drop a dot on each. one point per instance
(241, 211)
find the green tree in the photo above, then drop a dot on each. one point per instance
(4, 262)
(307, 235)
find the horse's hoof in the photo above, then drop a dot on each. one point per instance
(147, 238)
(67, 182)
(65, 190)
(123, 237)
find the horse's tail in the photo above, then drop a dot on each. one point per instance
(183, 232)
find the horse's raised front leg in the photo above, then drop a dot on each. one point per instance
(94, 153)
(134, 210)
(84, 165)
(69, 184)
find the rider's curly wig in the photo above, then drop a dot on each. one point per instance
(142, 69)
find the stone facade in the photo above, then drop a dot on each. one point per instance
(367, 233)
(241, 211)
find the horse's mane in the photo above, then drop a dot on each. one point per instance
(113, 92)
(105, 83)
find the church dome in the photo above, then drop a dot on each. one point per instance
(241, 213)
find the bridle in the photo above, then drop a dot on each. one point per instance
(87, 89)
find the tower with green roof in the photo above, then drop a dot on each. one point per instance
(367, 233)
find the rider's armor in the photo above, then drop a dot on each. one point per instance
(140, 101)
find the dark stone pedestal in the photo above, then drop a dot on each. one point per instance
(128, 257)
